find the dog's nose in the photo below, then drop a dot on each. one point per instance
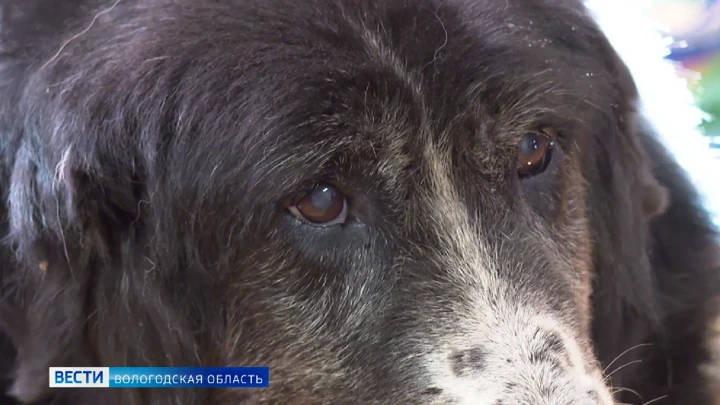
(532, 366)
(467, 361)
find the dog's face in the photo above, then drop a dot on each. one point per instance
(384, 202)
(402, 203)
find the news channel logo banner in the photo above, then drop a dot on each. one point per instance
(159, 377)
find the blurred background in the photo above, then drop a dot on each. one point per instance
(692, 30)
(694, 26)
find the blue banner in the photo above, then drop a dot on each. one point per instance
(159, 377)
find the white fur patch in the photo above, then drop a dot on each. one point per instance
(496, 321)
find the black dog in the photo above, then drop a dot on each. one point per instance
(384, 201)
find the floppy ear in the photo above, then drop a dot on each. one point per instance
(685, 255)
(63, 224)
(69, 206)
(655, 249)
(624, 197)
(96, 257)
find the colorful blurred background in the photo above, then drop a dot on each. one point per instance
(694, 26)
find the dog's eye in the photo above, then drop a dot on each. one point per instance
(325, 205)
(534, 153)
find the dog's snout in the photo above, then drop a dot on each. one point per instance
(519, 365)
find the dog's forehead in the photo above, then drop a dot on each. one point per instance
(369, 84)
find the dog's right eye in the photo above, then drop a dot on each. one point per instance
(325, 205)
(534, 153)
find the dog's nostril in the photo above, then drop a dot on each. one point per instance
(432, 391)
(554, 343)
(552, 350)
(595, 396)
(467, 361)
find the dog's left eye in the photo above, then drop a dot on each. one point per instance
(325, 205)
(534, 153)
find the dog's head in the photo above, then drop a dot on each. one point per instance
(384, 202)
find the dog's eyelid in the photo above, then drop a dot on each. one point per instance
(548, 130)
(308, 186)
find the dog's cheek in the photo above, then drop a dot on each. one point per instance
(264, 327)
(571, 230)
(285, 310)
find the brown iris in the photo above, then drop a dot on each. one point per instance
(534, 153)
(325, 205)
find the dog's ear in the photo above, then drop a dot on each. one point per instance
(655, 250)
(64, 221)
(624, 198)
(87, 267)
(42, 294)
(69, 202)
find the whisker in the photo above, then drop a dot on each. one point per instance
(621, 389)
(624, 353)
(655, 400)
(620, 368)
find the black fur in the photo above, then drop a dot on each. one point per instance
(145, 164)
